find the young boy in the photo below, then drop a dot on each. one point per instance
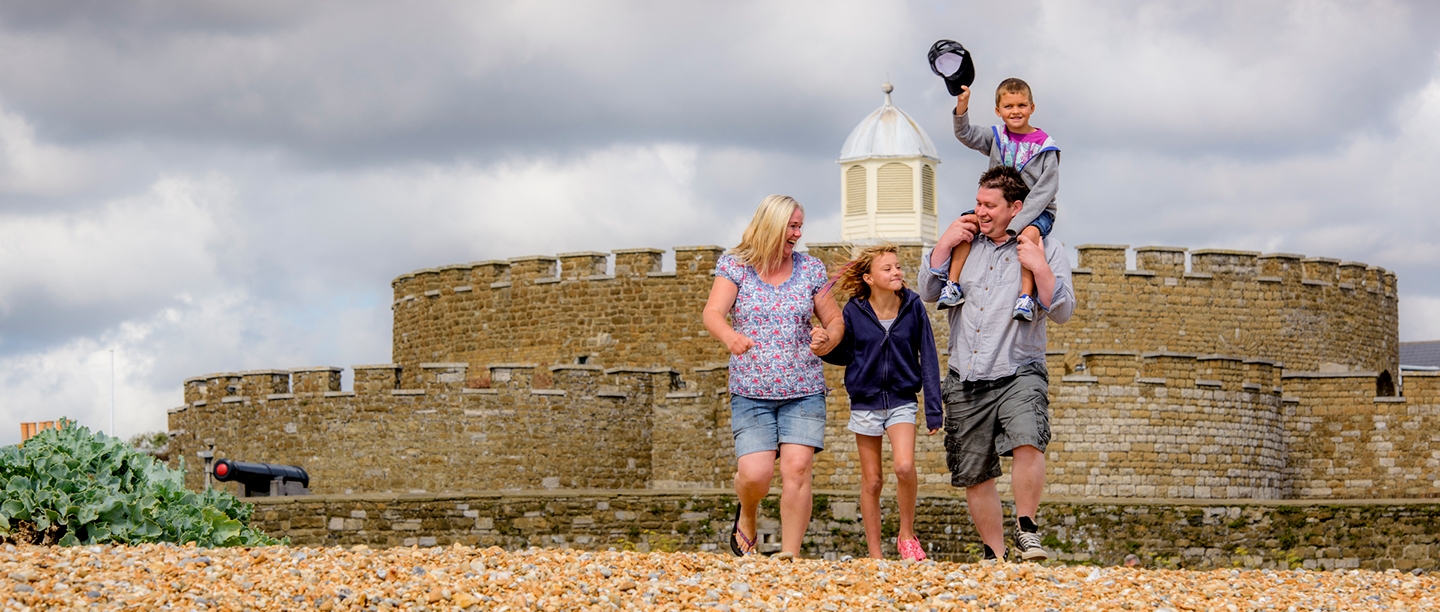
(1021, 146)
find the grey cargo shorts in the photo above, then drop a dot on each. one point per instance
(988, 419)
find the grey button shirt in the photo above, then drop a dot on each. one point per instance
(985, 343)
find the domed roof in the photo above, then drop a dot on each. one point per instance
(887, 132)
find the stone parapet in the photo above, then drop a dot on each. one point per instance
(584, 427)
(1309, 313)
(1371, 534)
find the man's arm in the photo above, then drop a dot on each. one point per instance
(1051, 268)
(1042, 193)
(931, 278)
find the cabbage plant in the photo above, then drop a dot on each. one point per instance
(71, 486)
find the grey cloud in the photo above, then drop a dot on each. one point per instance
(367, 83)
(359, 141)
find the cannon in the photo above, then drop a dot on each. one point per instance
(263, 479)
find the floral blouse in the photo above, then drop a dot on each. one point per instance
(780, 365)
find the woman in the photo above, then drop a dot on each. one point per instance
(777, 383)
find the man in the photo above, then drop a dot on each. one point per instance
(996, 392)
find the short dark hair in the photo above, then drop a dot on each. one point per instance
(1008, 181)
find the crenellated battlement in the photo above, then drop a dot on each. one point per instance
(1207, 264)
(432, 379)
(437, 428)
(1309, 313)
(567, 308)
(587, 266)
(1178, 370)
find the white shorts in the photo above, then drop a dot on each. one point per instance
(875, 422)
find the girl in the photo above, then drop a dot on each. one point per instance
(888, 351)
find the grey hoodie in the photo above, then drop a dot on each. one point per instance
(1041, 174)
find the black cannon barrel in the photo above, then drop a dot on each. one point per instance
(246, 472)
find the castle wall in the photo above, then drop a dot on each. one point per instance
(1345, 442)
(585, 428)
(1308, 313)
(498, 384)
(1167, 425)
(1161, 533)
(557, 310)
(1127, 426)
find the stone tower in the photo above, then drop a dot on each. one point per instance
(887, 179)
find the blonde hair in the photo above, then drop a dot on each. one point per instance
(851, 279)
(1013, 85)
(759, 247)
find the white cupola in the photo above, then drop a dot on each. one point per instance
(887, 179)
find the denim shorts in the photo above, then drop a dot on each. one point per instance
(1045, 222)
(761, 425)
(875, 422)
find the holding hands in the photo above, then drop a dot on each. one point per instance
(819, 340)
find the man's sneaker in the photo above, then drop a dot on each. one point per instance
(1027, 543)
(990, 556)
(1024, 308)
(950, 296)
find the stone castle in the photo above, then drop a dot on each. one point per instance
(1210, 408)
(1238, 376)
(1205, 374)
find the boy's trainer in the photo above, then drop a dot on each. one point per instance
(1024, 308)
(950, 296)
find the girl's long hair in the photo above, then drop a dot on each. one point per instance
(850, 281)
(759, 247)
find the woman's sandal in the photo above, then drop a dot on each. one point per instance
(739, 544)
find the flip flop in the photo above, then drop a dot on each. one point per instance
(737, 538)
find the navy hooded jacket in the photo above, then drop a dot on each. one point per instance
(886, 369)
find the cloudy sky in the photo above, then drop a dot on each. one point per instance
(215, 186)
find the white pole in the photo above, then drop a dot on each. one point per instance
(112, 392)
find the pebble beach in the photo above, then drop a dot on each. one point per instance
(458, 577)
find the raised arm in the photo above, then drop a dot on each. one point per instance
(973, 136)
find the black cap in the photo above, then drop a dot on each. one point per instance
(951, 61)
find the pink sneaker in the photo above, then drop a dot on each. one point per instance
(911, 549)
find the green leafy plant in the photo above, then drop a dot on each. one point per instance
(71, 486)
